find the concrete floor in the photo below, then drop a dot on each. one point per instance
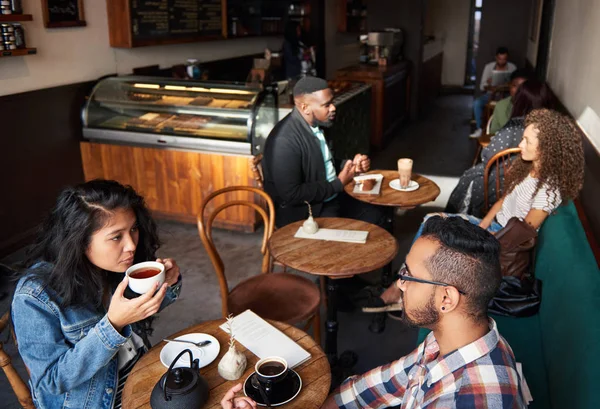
(441, 150)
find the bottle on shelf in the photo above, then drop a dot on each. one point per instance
(16, 6)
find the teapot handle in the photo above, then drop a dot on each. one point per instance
(164, 386)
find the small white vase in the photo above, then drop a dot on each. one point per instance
(310, 226)
(232, 365)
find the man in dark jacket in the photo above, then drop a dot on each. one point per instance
(299, 166)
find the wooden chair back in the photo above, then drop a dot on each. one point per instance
(257, 170)
(501, 162)
(205, 224)
(17, 384)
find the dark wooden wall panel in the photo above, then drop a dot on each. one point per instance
(39, 132)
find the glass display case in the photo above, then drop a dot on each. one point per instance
(207, 116)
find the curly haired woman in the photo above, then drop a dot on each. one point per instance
(548, 172)
(467, 196)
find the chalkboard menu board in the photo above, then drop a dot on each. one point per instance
(159, 19)
(63, 13)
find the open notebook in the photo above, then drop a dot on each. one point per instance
(264, 340)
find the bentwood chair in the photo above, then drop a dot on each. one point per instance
(483, 141)
(281, 296)
(259, 177)
(500, 162)
(17, 384)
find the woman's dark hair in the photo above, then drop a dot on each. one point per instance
(468, 259)
(290, 34)
(532, 94)
(66, 234)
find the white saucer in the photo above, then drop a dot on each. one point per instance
(205, 354)
(395, 184)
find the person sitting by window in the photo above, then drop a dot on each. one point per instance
(451, 273)
(548, 171)
(500, 64)
(468, 196)
(503, 109)
(77, 332)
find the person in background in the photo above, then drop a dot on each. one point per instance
(548, 171)
(451, 273)
(299, 166)
(467, 196)
(503, 109)
(500, 64)
(78, 332)
(297, 55)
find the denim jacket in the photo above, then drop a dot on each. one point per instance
(71, 352)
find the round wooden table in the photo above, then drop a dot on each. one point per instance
(315, 373)
(426, 192)
(333, 259)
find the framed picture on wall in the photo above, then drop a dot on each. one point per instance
(534, 25)
(63, 13)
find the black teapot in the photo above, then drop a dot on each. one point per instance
(180, 388)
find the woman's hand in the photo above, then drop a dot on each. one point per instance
(231, 402)
(122, 312)
(171, 270)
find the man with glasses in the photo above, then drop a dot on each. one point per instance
(451, 273)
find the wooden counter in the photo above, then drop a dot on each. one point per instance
(390, 96)
(174, 182)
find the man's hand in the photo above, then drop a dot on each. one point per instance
(231, 402)
(347, 174)
(362, 163)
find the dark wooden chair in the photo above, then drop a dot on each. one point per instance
(501, 162)
(281, 296)
(483, 141)
(17, 384)
(257, 170)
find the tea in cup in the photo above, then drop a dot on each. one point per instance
(144, 276)
(405, 171)
(270, 371)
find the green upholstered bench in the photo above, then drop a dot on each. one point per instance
(560, 346)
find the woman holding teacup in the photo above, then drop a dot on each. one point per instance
(77, 332)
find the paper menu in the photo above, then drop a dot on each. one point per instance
(263, 339)
(346, 236)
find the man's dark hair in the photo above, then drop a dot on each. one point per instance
(501, 50)
(468, 259)
(308, 85)
(521, 73)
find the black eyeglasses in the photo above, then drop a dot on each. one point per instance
(404, 277)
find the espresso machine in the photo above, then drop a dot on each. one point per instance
(385, 47)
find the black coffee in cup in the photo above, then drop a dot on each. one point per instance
(271, 368)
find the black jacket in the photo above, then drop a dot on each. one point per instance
(294, 170)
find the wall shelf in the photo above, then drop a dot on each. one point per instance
(15, 17)
(19, 52)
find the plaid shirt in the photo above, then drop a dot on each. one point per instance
(482, 374)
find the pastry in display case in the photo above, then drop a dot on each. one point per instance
(206, 116)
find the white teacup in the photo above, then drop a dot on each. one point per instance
(148, 279)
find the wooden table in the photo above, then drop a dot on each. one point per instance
(427, 191)
(315, 373)
(333, 259)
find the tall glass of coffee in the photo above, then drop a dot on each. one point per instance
(404, 171)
